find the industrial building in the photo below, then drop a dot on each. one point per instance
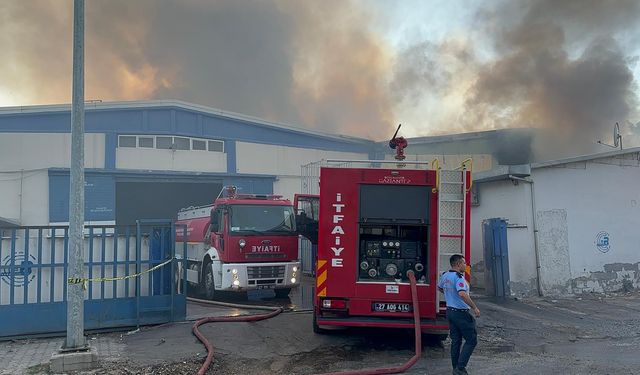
(571, 225)
(149, 159)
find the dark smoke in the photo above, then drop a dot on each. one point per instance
(560, 66)
(536, 83)
(557, 66)
(306, 63)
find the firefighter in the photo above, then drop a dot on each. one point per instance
(462, 323)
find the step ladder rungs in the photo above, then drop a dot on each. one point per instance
(452, 182)
(451, 235)
(451, 218)
(450, 254)
(452, 200)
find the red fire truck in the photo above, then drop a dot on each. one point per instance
(374, 226)
(240, 242)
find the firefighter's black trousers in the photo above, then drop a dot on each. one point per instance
(461, 325)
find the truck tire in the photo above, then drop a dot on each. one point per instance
(282, 293)
(208, 283)
(316, 327)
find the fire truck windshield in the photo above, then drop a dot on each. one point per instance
(261, 219)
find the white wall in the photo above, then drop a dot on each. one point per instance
(287, 187)
(481, 162)
(574, 203)
(47, 150)
(265, 159)
(170, 160)
(24, 196)
(506, 200)
(283, 161)
(597, 196)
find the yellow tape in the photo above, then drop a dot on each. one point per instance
(84, 281)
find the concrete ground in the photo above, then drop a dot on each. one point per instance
(592, 334)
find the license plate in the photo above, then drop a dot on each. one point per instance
(265, 286)
(391, 307)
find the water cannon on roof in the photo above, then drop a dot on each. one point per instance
(398, 144)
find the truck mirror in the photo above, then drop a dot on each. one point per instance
(214, 221)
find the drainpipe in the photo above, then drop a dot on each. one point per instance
(535, 229)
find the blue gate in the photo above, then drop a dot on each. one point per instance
(126, 291)
(496, 257)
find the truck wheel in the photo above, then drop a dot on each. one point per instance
(282, 293)
(316, 327)
(208, 285)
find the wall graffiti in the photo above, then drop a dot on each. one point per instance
(17, 271)
(603, 242)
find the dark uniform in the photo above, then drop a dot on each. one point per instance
(461, 322)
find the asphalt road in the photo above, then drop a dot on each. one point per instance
(592, 334)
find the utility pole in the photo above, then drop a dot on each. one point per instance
(75, 292)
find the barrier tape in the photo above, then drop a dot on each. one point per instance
(84, 281)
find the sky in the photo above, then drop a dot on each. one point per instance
(352, 67)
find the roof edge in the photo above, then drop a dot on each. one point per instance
(99, 105)
(586, 157)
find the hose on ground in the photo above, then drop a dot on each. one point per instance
(418, 334)
(277, 310)
(250, 318)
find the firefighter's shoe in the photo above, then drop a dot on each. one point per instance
(460, 371)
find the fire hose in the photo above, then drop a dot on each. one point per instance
(418, 334)
(247, 318)
(277, 310)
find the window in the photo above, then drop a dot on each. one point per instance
(145, 142)
(217, 146)
(127, 141)
(199, 145)
(164, 142)
(182, 143)
(258, 219)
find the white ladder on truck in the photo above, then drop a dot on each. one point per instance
(452, 220)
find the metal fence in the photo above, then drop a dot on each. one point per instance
(33, 277)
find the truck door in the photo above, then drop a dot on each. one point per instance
(307, 207)
(218, 227)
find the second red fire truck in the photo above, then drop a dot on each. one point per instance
(240, 242)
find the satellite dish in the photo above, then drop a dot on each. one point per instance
(617, 138)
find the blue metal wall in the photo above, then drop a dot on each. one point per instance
(100, 198)
(175, 120)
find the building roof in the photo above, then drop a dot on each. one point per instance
(587, 157)
(8, 223)
(504, 172)
(145, 104)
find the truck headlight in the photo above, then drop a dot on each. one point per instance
(236, 282)
(242, 243)
(293, 280)
(295, 269)
(234, 271)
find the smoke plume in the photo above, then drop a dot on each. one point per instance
(563, 67)
(305, 63)
(557, 66)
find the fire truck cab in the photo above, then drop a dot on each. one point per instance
(374, 226)
(239, 243)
